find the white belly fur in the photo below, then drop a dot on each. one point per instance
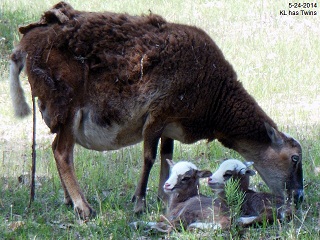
(92, 136)
(112, 137)
(174, 131)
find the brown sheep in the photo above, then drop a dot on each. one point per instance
(257, 206)
(107, 80)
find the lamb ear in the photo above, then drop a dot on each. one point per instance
(170, 162)
(250, 172)
(242, 171)
(248, 164)
(273, 135)
(204, 173)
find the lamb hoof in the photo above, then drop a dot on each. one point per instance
(245, 221)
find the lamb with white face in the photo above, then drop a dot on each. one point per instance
(226, 170)
(181, 171)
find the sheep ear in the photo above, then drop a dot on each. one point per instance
(250, 172)
(170, 162)
(273, 135)
(54, 15)
(204, 173)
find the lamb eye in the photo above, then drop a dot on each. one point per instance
(226, 176)
(184, 179)
(295, 158)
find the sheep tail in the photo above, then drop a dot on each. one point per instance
(21, 108)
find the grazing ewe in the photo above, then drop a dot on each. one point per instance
(257, 206)
(107, 80)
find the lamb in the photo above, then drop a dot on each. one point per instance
(257, 206)
(106, 81)
(187, 206)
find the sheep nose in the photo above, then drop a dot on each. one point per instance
(298, 197)
(209, 179)
(166, 185)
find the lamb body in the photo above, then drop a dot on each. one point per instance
(257, 206)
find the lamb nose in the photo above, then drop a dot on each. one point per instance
(167, 185)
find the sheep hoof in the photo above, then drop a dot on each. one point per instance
(85, 214)
(68, 201)
(140, 205)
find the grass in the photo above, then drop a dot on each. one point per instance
(277, 59)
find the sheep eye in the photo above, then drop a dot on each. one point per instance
(295, 158)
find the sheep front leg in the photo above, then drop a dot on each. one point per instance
(151, 139)
(63, 153)
(166, 152)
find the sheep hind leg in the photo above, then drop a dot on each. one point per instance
(166, 152)
(63, 153)
(67, 198)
